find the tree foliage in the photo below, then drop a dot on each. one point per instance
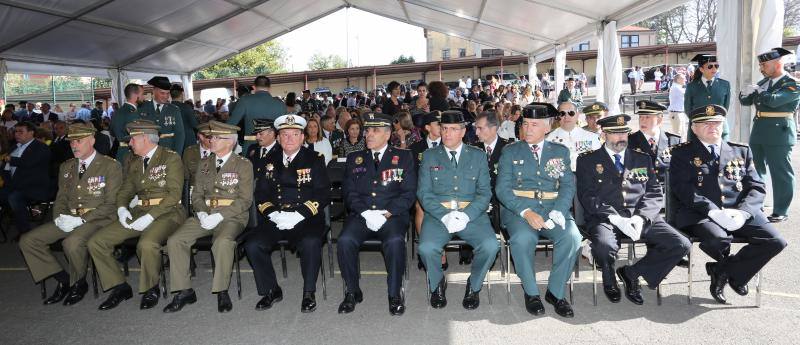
(266, 58)
(403, 59)
(320, 61)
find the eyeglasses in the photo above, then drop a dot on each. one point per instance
(710, 66)
(564, 113)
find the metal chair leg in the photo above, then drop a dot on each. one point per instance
(43, 284)
(689, 276)
(508, 274)
(94, 279)
(488, 288)
(324, 286)
(283, 261)
(594, 282)
(758, 289)
(658, 294)
(330, 253)
(164, 288)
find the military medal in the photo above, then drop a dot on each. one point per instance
(599, 168)
(697, 162)
(162, 183)
(400, 175)
(360, 159)
(395, 160)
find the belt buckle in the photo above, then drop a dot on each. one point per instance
(146, 203)
(214, 202)
(537, 194)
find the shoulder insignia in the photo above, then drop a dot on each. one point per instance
(685, 143)
(738, 144)
(586, 153)
(559, 144)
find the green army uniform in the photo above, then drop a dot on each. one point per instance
(158, 187)
(90, 195)
(259, 105)
(699, 94)
(126, 113)
(543, 185)
(192, 156)
(774, 134)
(170, 120)
(228, 191)
(445, 186)
(189, 123)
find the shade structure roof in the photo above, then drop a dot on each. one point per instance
(183, 36)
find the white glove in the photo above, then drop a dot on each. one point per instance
(124, 214)
(134, 202)
(722, 219)
(201, 216)
(447, 221)
(618, 221)
(738, 218)
(68, 223)
(142, 223)
(211, 221)
(274, 216)
(558, 219)
(750, 89)
(458, 221)
(635, 226)
(374, 219)
(289, 220)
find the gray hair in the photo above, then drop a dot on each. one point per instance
(153, 138)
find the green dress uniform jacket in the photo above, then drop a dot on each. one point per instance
(172, 131)
(189, 123)
(126, 113)
(259, 105)
(699, 95)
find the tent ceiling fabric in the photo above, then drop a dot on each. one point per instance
(183, 36)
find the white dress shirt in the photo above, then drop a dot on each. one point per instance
(676, 93)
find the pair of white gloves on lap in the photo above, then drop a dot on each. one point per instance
(68, 223)
(286, 220)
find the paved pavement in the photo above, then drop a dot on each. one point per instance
(25, 320)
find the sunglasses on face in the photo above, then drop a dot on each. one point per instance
(564, 113)
(710, 66)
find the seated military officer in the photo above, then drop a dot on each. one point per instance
(530, 198)
(651, 139)
(621, 196)
(88, 186)
(265, 142)
(222, 194)
(194, 153)
(291, 196)
(379, 188)
(594, 112)
(152, 189)
(576, 139)
(720, 195)
(454, 190)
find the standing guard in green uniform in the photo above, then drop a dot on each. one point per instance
(165, 114)
(221, 199)
(454, 190)
(774, 131)
(536, 186)
(259, 105)
(187, 114)
(88, 186)
(127, 112)
(706, 88)
(153, 185)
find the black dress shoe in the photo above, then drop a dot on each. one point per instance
(118, 294)
(61, 291)
(718, 281)
(438, 298)
(350, 300)
(533, 304)
(774, 218)
(309, 302)
(273, 296)
(465, 256)
(420, 264)
(632, 289)
(150, 298)
(396, 306)
(224, 304)
(612, 292)
(561, 305)
(76, 292)
(471, 298)
(739, 289)
(181, 299)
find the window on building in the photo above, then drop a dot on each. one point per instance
(581, 46)
(445, 54)
(462, 52)
(491, 52)
(629, 41)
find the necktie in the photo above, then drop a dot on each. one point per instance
(158, 109)
(618, 163)
(708, 83)
(489, 152)
(769, 86)
(146, 161)
(205, 154)
(713, 147)
(652, 142)
(376, 159)
(263, 152)
(219, 164)
(81, 169)
(434, 144)
(535, 150)
(453, 159)
(288, 160)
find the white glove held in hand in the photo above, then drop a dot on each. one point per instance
(557, 219)
(124, 215)
(211, 221)
(142, 223)
(722, 219)
(288, 220)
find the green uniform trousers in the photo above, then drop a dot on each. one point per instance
(223, 250)
(35, 247)
(101, 247)
(523, 241)
(779, 160)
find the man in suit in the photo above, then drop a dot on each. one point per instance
(85, 203)
(220, 212)
(706, 88)
(651, 139)
(187, 114)
(454, 189)
(259, 105)
(621, 196)
(128, 112)
(266, 142)
(164, 114)
(60, 147)
(774, 131)
(720, 195)
(291, 199)
(153, 186)
(26, 175)
(528, 199)
(379, 189)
